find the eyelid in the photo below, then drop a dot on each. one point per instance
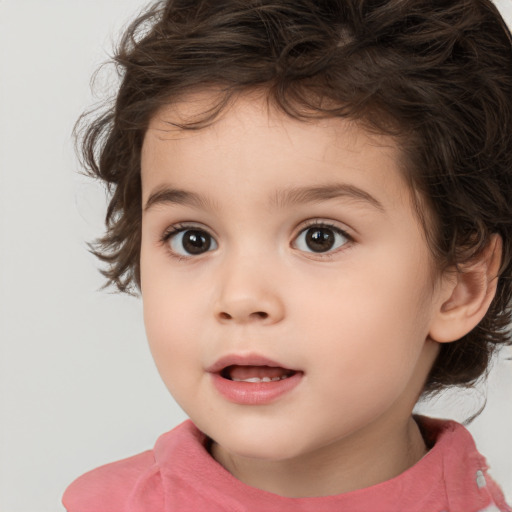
(184, 226)
(326, 223)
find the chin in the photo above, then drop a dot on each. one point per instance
(276, 444)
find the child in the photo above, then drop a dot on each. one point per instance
(313, 198)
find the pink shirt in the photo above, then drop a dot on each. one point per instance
(180, 475)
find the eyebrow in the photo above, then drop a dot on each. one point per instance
(169, 195)
(281, 199)
(298, 195)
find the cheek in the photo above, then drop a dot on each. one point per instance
(171, 321)
(170, 339)
(168, 323)
(164, 294)
(369, 324)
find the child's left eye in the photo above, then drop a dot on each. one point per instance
(320, 238)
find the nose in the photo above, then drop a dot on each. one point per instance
(247, 293)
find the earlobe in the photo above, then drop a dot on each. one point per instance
(466, 294)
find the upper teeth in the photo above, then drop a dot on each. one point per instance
(263, 379)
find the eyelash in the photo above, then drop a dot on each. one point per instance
(176, 229)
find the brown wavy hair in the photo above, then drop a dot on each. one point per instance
(436, 75)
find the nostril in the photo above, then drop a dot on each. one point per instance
(257, 314)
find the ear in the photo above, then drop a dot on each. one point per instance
(466, 294)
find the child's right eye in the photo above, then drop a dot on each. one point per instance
(189, 241)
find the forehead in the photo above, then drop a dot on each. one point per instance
(253, 117)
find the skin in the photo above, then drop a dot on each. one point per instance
(355, 320)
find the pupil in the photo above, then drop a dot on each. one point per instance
(320, 239)
(196, 242)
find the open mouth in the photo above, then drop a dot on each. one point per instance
(253, 379)
(255, 374)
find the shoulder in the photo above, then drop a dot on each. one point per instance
(466, 481)
(131, 484)
(109, 487)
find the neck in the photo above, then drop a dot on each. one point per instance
(355, 462)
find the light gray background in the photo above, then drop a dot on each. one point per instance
(78, 387)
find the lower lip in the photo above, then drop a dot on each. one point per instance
(254, 393)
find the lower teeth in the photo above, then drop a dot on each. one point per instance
(263, 379)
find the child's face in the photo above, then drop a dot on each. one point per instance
(298, 245)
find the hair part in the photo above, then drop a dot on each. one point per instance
(436, 76)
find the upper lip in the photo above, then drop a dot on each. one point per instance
(244, 360)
